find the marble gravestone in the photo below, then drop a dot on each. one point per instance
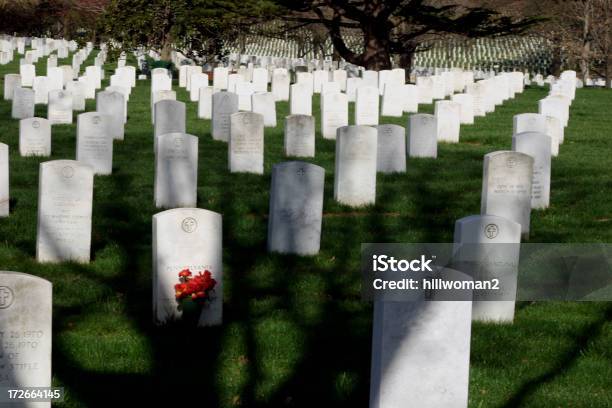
(23, 103)
(59, 109)
(355, 167)
(77, 89)
(34, 137)
(64, 211)
(41, 93)
(11, 82)
(334, 113)
(160, 96)
(224, 105)
(529, 122)
(197, 81)
(27, 73)
(95, 142)
(246, 143)
(422, 135)
(300, 101)
(466, 102)
(421, 352)
(393, 101)
(299, 136)
(280, 87)
(245, 91)
(538, 146)
(112, 104)
(506, 187)
(169, 117)
(186, 238)
(220, 75)
(391, 149)
(4, 180)
(26, 327)
(367, 106)
(555, 130)
(448, 115)
(176, 170)
(296, 208)
(265, 105)
(473, 255)
(205, 102)
(410, 96)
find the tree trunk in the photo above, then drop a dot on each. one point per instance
(376, 55)
(406, 59)
(167, 48)
(585, 57)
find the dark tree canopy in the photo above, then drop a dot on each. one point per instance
(397, 27)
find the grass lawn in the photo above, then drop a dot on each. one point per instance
(295, 330)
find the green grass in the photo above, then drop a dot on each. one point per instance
(295, 331)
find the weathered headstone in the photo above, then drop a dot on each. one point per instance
(169, 117)
(448, 115)
(299, 136)
(176, 170)
(59, 109)
(296, 208)
(466, 103)
(422, 135)
(246, 143)
(355, 169)
(265, 105)
(410, 97)
(205, 102)
(77, 89)
(224, 105)
(186, 238)
(421, 352)
(301, 99)
(506, 187)
(529, 122)
(34, 137)
(25, 322)
(555, 130)
(160, 96)
(367, 106)
(334, 113)
(64, 211)
(488, 247)
(112, 104)
(280, 86)
(23, 103)
(391, 149)
(95, 142)
(11, 82)
(220, 75)
(393, 101)
(538, 146)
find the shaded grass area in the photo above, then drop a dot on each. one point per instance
(295, 331)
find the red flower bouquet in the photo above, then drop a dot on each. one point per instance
(196, 288)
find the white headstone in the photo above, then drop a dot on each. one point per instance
(448, 115)
(355, 169)
(296, 208)
(205, 102)
(506, 187)
(34, 137)
(391, 149)
(301, 99)
(95, 142)
(537, 145)
(4, 180)
(246, 143)
(367, 106)
(422, 135)
(23, 103)
(11, 82)
(64, 211)
(186, 238)
(265, 105)
(176, 170)
(169, 117)
(59, 109)
(299, 136)
(112, 104)
(224, 105)
(466, 103)
(334, 113)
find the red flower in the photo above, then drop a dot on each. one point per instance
(184, 273)
(197, 287)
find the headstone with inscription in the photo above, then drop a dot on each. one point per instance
(448, 115)
(538, 146)
(59, 109)
(265, 105)
(301, 99)
(224, 105)
(11, 81)
(64, 211)
(25, 333)
(391, 149)
(23, 103)
(95, 142)
(506, 187)
(246, 143)
(487, 247)
(112, 104)
(34, 137)
(169, 117)
(367, 106)
(334, 113)
(422, 136)
(299, 136)
(176, 170)
(186, 238)
(355, 168)
(205, 102)
(296, 208)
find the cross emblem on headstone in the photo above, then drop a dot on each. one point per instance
(301, 171)
(6, 297)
